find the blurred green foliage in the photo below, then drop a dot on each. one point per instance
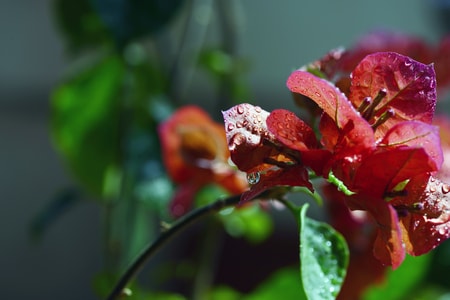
(86, 121)
(105, 115)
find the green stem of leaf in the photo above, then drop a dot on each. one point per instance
(289, 205)
(339, 184)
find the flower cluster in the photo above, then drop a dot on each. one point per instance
(195, 154)
(376, 139)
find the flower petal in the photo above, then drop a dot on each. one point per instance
(187, 137)
(381, 41)
(416, 134)
(335, 104)
(426, 221)
(290, 130)
(245, 127)
(380, 173)
(294, 176)
(410, 87)
(388, 245)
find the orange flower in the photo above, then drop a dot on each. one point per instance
(195, 154)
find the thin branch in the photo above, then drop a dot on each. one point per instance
(192, 41)
(177, 227)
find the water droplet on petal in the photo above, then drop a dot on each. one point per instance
(253, 178)
(236, 140)
(240, 109)
(230, 126)
(445, 188)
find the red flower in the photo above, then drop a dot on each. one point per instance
(443, 122)
(195, 154)
(424, 214)
(359, 230)
(339, 63)
(271, 148)
(380, 136)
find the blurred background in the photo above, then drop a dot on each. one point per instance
(272, 38)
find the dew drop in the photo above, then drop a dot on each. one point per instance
(237, 140)
(240, 109)
(445, 188)
(253, 178)
(230, 126)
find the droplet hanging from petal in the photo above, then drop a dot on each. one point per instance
(253, 178)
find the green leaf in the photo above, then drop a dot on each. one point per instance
(129, 20)
(209, 194)
(402, 282)
(284, 284)
(85, 122)
(80, 24)
(59, 205)
(223, 293)
(323, 258)
(217, 62)
(250, 221)
(227, 71)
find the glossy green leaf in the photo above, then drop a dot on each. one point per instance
(86, 122)
(324, 258)
(131, 19)
(401, 283)
(284, 284)
(80, 24)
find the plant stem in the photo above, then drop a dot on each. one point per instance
(207, 259)
(192, 40)
(292, 208)
(178, 226)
